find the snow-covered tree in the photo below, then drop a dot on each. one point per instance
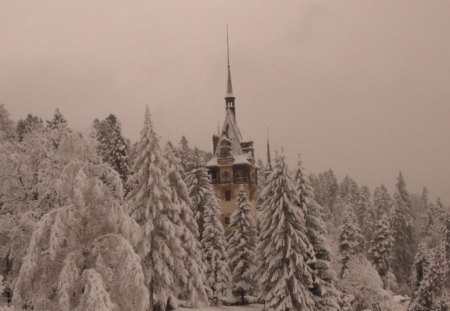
(382, 201)
(150, 200)
(199, 187)
(432, 293)
(285, 275)
(402, 227)
(57, 128)
(365, 213)
(421, 266)
(242, 246)
(80, 255)
(112, 146)
(27, 125)
(7, 126)
(185, 153)
(326, 295)
(192, 285)
(351, 241)
(381, 248)
(214, 247)
(349, 191)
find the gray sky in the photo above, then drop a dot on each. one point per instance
(358, 86)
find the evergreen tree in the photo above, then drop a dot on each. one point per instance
(29, 124)
(421, 266)
(329, 190)
(351, 241)
(185, 153)
(76, 255)
(242, 246)
(365, 213)
(193, 284)
(199, 187)
(325, 293)
(402, 225)
(432, 293)
(112, 146)
(382, 201)
(7, 126)
(214, 247)
(349, 191)
(285, 275)
(57, 128)
(381, 249)
(150, 200)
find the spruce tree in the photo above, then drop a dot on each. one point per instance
(28, 125)
(285, 275)
(382, 201)
(349, 191)
(242, 246)
(185, 153)
(365, 213)
(381, 248)
(192, 285)
(151, 205)
(214, 247)
(7, 126)
(402, 226)
(199, 186)
(112, 146)
(351, 241)
(326, 295)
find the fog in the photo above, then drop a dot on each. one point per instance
(358, 86)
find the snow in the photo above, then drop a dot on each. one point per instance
(213, 162)
(240, 160)
(228, 308)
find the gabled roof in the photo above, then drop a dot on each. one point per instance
(230, 132)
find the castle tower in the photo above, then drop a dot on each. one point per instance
(233, 163)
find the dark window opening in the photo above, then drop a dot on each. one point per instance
(227, 195)
(227, 220)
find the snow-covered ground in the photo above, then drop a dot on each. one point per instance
(228, 308)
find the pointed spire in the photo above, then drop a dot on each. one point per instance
(269, 161)
(229, 84)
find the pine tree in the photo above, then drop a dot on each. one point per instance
(193, 284)
(242, 246)
(402, 225)
(214, 247)
(365, 213)
(284, 275)
(421, 266)
(58, 128)
(112, 146)
(381, 249)
(185, 153)
(199, 187)
(325, 293)
(351, 241)
(151, 206)
(382, 201)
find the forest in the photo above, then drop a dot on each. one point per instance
(93, 221)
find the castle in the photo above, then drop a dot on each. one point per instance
(233, 164)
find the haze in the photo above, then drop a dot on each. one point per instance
(358, 86)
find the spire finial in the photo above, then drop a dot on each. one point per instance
(229, 85)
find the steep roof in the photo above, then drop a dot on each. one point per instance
(231, 132)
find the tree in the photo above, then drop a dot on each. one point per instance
(29, 124)
(185, 154)
(351, 241)
(192, 285)
(152, 208)
(381, 249)
(112, 146)
(199, 187)
(326, 295)
(349, 191)
(214, 248)
(365, 213)
(75, 259)
(402, 225)
(382, 202)
(242, 246)
(7, 126)
(284, 274)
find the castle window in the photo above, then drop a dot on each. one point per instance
(227, 220)
(227, 195)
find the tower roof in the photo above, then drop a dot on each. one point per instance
(229, 93)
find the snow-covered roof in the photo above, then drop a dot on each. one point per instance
(231, 132)
(213, 162)
(240, 160)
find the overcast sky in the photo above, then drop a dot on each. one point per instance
(358, 86)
